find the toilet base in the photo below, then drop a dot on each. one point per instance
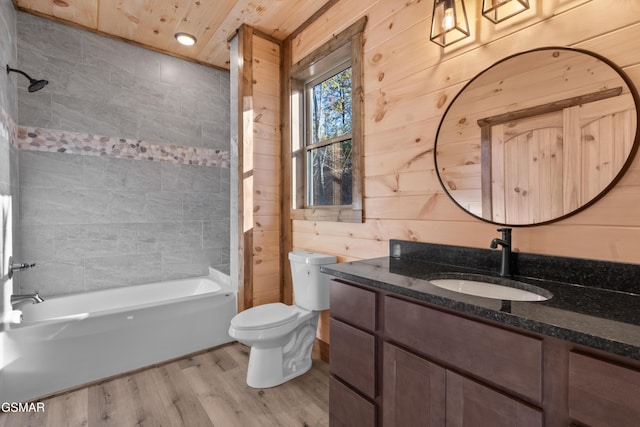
(270, 367)
(265, 368)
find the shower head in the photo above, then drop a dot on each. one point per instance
(34, 85)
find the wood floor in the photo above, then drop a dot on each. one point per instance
(207, 389)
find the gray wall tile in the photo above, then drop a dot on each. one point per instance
(215, 134)
(63, 206)
(8, 55)
(77, 80)
(215, 234)
(36, 35)
(37, 244)
(177, 265)
(93, 222)
(77, 214)
(53, 278)
(50, 170)
(169, 236)
(37, 106)
(190, 75)
(86, 116)
(205, 206)
(168, 127)
(122, 270)
(5, 166)
(139, 206)
(128, 89)
(106, 87)
(192, 179)
(74, 243)
(109, 53)
(121, 174)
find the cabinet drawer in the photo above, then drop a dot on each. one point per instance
(603, 393)
(352, 356)
(504, 358)
(347, 408)
(353, 305)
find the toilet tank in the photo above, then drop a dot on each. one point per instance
(310, 286)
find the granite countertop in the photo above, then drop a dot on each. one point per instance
(592, 316)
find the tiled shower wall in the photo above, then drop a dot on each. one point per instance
(8, 152)
(95, 221)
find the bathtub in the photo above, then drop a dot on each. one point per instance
(73, 340)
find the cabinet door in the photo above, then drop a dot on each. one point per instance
(472, 404)
(413, 390)
(603, 394)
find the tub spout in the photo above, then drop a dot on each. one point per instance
(34, 298)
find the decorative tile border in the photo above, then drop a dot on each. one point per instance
(58, 141)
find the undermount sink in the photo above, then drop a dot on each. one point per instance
(505, 290)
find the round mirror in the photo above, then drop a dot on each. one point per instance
(537, 136)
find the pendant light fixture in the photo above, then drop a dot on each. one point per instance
(499, 10)
(449, 22)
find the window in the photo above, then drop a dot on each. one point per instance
(328, 144)
(326, 130)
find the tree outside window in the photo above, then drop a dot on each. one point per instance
(329, 146)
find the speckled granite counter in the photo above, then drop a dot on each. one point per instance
(594, 303)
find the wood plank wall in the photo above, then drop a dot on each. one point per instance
(409, 82)
(259, 168)
(267, 275)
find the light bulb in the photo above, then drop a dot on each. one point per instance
(185, 39)
(449, 20)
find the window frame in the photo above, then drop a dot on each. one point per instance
(343, 50)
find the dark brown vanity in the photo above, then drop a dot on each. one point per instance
(535, 138)
(406, 353)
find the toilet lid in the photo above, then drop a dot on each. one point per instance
(264, 316)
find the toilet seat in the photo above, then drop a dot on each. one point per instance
(265, 316)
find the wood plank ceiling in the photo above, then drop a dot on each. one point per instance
(153, 23)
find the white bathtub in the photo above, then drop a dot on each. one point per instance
(69, 341)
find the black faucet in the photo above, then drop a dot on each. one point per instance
(505, 242)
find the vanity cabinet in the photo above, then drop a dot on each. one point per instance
(397, 361)
(406, 369)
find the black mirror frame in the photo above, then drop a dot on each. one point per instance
(614, 181)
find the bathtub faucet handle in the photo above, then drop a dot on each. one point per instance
(18, 266)
(21, 266)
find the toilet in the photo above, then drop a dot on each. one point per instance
(281, 336)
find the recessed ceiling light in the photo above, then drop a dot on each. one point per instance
(185, 39)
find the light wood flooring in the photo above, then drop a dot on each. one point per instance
(206, 389)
